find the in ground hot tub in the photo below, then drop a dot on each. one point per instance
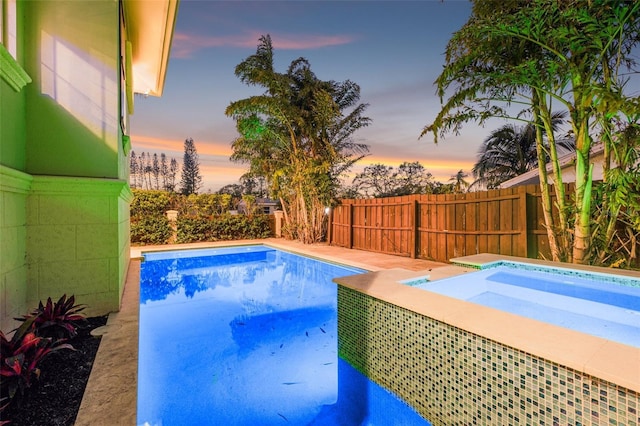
(551, 344)
(601, 305)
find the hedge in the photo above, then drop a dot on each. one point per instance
(202, 217)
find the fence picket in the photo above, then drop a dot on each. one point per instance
(441, 226)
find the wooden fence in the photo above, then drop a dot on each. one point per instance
(440, 227)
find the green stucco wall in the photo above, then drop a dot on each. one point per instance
(76, 240)
(73, 102)
(12, 127)
(14, 187)
(64, 197)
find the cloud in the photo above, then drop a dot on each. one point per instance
(215, 177)
(151, 143)
(441, 168)
(433, 165)
(186, 45)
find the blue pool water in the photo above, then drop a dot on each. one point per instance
(588, 303)
(248, 336)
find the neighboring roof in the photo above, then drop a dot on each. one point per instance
(266, 202)
(150, 26)
(532, 176)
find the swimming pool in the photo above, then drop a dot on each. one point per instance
(603, 306)
(248, 336)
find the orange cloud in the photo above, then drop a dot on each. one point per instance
(431, 165)
(143, 143)
(441, 169)
(215, 177)
(185, 45)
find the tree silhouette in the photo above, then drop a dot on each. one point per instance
(511, 150)
(298, 136)
(191, 180)
(379, 180)
(459, 184)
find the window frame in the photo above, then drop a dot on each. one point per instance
(10, 69)
(9, 26)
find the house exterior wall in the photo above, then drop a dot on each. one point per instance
(14, 187)
(73, 102)
(75, 240)
(12, 127)
(64, 196)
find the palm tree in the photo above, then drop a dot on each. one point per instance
(297, 135)
(537, 54)
(510, 151)
(458, 183)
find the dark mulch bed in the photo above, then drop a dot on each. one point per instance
(55, 398)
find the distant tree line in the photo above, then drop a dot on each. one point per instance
(248, 185)
(158, 172)
(152, 171)
(379, 180)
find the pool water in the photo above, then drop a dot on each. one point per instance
(585, 303)
(248, 336)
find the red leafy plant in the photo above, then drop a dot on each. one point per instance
(57, 320)
(43, 331)
(21, 356)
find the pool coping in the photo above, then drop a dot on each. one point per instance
(598, 357)
(111, 392)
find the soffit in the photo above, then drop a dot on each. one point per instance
(150, 26)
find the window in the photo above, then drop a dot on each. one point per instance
(10, 70)
(8, 26)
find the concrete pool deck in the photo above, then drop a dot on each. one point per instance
(111, 393)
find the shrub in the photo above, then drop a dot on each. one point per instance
(43, 331)
(21, 356)
(201, 217)
(205, 205)
(150, 230)
(151, 203)
(193, 229)
(259, 226)
(57, 320)
(225, 227)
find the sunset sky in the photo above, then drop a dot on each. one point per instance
(392, 49)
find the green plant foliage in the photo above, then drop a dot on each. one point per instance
(21, 356)
(201, 217)
(151, 203)
(205, 205)
(57, 320)
(222, 228)
(517, 59)
(191, 178)
(297, 136)
(149, 224)
(150, 230)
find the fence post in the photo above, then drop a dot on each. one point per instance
(414, 228)
(172, 215)
(524, 223)
(278, 215)
(329, 224)
(350, 223)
